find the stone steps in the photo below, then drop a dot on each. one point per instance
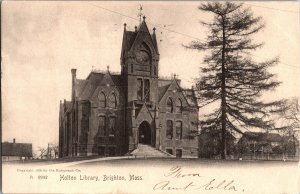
(143, 150)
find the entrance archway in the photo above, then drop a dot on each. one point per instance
(145, 133)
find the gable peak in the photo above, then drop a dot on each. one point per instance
(143, 26)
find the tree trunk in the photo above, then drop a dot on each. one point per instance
(223, 95)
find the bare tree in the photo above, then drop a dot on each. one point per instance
(42, 152)
(51, 151)
(54, 150)
(291, 114)
(231, 80)
(291, 124)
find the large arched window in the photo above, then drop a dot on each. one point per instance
(102, 100)
(112, 101)
(111, 125)
(169, 105)
(178, 106)
(178, 130)
(102, 126)
(169, 132)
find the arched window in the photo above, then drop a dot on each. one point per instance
(146, 90)
(102, 126)
(111, 125)
(139, 89)
(169, 132)
(178, 130)
(112, 101)
(169, 105)
(178, 106)
(102, 100)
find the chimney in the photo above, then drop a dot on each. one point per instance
(65, 107)
(73, 71)
(14, 140)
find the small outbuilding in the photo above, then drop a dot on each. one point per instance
(16, 151)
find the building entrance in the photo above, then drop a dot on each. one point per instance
(145, 133)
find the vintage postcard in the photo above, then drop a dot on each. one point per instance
(150, 97)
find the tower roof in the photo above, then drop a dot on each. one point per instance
(129, 37)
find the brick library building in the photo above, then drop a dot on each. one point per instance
(113, 114)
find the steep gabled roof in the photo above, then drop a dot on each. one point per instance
(84, 89)
(188, 94)
(117, 79)
(130, 38)
(144, 109)
(80, 84)
(144, 32)
(107, 79)
(88, 91)
(161, 91)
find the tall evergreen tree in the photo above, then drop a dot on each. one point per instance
(230, 78)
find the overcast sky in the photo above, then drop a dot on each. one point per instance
(42, 41)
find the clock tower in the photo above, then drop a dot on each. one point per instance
(139, 64)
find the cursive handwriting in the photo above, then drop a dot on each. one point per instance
(176, 172)
(201, 182)
(165, 185)
(210, 185)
